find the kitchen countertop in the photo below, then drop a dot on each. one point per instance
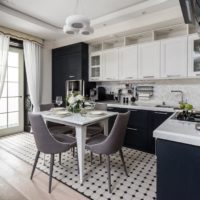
(178, 131)
(138, 105)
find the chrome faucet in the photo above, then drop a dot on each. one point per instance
(182, 95)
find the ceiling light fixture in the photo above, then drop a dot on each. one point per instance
(77, 24)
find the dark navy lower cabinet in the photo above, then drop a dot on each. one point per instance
(178, 171)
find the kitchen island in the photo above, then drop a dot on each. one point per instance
(178, 160)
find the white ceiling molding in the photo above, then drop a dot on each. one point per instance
(28, 18)
(146, 22)
(139, 8)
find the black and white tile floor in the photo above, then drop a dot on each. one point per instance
(140, 185)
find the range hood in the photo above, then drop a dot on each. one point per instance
(191, 12)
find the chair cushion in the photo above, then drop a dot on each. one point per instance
(65, 139)
(94, 130)
(95, 140)
(61, 130)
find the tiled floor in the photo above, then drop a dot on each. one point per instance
(140, 185)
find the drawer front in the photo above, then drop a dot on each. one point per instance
(138, 119)
(135, 139)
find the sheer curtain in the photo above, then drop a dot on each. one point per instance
(32, 55)
(4, 48)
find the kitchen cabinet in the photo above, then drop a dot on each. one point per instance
(128, 63)
(149, 60)
(136, 134)
(141, 124)
(156, 118)
(110, 64)
(194, 56)
(69, 63)
(178, 171)
(174, 57)
(95, 71)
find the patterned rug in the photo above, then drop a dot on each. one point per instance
(140, 185)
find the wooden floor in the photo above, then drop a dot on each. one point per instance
(15, 183)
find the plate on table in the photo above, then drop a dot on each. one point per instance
(97, 113)
(63, 113)
(57, 109)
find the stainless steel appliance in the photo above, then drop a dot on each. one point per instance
(75, 86)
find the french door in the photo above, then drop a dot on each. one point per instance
(12, 100)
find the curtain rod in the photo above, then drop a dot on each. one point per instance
(22, 38)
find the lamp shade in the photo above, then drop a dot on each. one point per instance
(86, 31)
(77, 21)
(69, 30)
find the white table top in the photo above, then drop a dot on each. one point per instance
(76, 118)
(178, 131)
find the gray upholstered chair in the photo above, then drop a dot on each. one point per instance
(96, 129)
(107, 145)
(48, 144)
(56, 128)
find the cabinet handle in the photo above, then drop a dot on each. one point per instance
(161, 113)
(109, 78)
(177, 75)
(133, 129)
(197, 74)
(148, 76)
(71, 76)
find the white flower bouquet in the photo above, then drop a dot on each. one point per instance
(74, 102)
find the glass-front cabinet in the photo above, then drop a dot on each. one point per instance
(95, 72)
(194, 56)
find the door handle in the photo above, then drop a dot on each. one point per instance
(161, 113)
(71, 76)
(133, 129)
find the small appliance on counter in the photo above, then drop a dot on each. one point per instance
(101, 94)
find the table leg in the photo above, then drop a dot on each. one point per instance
(105, 125)
(80, 138)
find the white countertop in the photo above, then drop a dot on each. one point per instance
(76, 118)
(178, 131)
(138, 106)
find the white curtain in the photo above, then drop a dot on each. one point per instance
(32, 55)
(4, 48)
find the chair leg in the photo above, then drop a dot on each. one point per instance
(44, 160)
(91, 157)
(100, 158)
(51, 171)
(122, 158)
(60, 156)
(109, 176)
(73, 151)
(35, 163)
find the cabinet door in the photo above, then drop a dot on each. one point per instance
(95, 71)
(110, 65)
(149, 60)
(174, 57)
(155, 120)
(194, 56)
(128, 63)
(72, 67)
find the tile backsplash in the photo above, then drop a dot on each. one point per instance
(162, 90)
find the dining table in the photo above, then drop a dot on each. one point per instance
(80, 122)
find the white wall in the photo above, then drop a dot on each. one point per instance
(46, 74)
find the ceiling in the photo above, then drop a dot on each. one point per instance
(45, 18)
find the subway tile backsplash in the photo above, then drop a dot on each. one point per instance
(162, 90)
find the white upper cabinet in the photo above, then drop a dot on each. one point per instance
(110, 64)
(128, 63)
(95, 70)
(149, 60)
(174, 57)
(194, 56)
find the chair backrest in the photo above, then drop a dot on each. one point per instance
(115, 139)
(45, 142)
(44, 107)
(100, 106)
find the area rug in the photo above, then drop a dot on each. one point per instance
(140, 185)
